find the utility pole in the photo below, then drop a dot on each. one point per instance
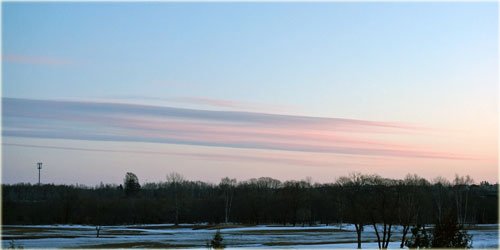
(39, 168)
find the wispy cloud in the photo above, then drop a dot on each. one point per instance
(209, 102)
(213, 102)
(223, 103)
(140, 123)
(34, 60)
(267, 158)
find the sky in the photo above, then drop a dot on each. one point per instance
(245, 90)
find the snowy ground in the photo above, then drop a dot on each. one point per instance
(196, 236)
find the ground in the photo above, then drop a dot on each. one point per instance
(196, 236)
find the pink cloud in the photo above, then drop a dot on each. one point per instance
(139, 123)
(212, 102)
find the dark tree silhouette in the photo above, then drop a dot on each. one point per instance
(227, 185)
(131, 184)
(450, 234)
(385, 197)
(354, 193)
(411, 197)
(461, 188)
(175, 180)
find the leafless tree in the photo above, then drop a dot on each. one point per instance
(353, 186)
(440, 195)
(410, 190)
(461, 188)
(227, 185)
(174, 180)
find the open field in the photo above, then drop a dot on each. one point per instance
(196, 236)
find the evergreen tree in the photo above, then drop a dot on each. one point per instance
(216, 242)
(131, 184)
(449, 233)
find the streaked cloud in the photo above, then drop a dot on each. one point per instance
(223, 103)
(233, 129)
(202, 102)
(34, 60)
(239, 157)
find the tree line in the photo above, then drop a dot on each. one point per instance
(359, 199)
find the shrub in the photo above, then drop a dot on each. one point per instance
(447, 234)
(421, 238)
(451, 234)
(216, 242)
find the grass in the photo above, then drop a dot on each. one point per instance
(280, 243)
(281, 231)
(482, 228)
(294, 243)
(158, 227)
(146, 244)
(22, 230)
(220, 226)
(34, 237)
(121, 232)
(26, 233)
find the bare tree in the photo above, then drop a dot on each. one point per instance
(440, 195)
(461, 189)
(264, 190)
(98, 230)
(384, 198)
(353, 192)
(340, 204)
(227, 185)
(174, 180)
(410, 190)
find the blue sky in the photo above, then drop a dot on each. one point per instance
(432, 65)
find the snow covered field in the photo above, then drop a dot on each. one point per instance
(196, 236)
